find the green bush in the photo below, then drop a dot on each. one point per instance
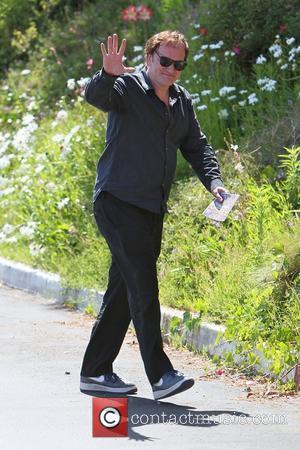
(250, 25)
(23, 21)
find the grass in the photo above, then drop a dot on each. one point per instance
(244, 273)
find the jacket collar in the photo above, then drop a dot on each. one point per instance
(148, 86)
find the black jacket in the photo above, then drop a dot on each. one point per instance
(143, 134)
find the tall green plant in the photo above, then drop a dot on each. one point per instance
(291, 162)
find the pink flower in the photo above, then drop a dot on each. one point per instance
(89, 63)
(144, 13)
(219, 372)
(237, 49)
(129, 14)
(282, 28)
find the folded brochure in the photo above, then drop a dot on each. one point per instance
(219, 211)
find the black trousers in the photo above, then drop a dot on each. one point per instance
(134, 236)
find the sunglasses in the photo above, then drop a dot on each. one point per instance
(167, 62)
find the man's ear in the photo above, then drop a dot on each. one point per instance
(148, 59)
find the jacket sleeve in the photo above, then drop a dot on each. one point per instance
(106, 92)
(199, 153)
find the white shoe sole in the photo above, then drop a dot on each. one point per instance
(178, 387)
(106, 389)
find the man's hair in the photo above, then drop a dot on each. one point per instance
(165, 37)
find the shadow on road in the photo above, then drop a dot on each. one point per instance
(144, 411)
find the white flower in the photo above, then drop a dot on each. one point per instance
(36, 249)
(227, 53)
(239, 167)
(137, 48)
(195, 37)
(39, 168)
(204, 46)
(267, 84)
(231, 97)
(8, 229)
(71, 84)
(198, 56)
(215, 99)
(7, 191)
(284, 66)
(234, 147)
(63, 202)
(66, 145)
(275, 50)
(83, 81)
(201, 107)
(27, 119)
(137, 58)
(4, 147)
(58, 138)
(206, 92)
(196, 100)
(261, 59)
(31, 127)
(290, 41)
(226, 90)
(5, 161)
(293, 53)
(51, 186)
(252, 99)
(11, 239)
(25, 179)
(216, 46)
(3, 181)
(25, 72)
(223, 113)
(23, 137)
(243, 91)
(90, 121)
(2, 237)
(242, 102)
(61, 115)
(32, 105)
(28, 230)
(213, 58)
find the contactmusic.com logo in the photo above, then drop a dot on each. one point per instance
(110, 417)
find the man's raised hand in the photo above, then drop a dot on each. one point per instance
(112, 58)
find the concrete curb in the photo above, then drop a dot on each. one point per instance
(201, 337)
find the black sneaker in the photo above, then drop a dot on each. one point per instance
(108, 384)
(171, 383)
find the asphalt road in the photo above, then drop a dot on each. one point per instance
(42, 408)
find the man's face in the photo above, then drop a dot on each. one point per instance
(161, 76)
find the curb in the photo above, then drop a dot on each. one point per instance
(200, 337)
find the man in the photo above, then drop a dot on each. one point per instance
(149, 118)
